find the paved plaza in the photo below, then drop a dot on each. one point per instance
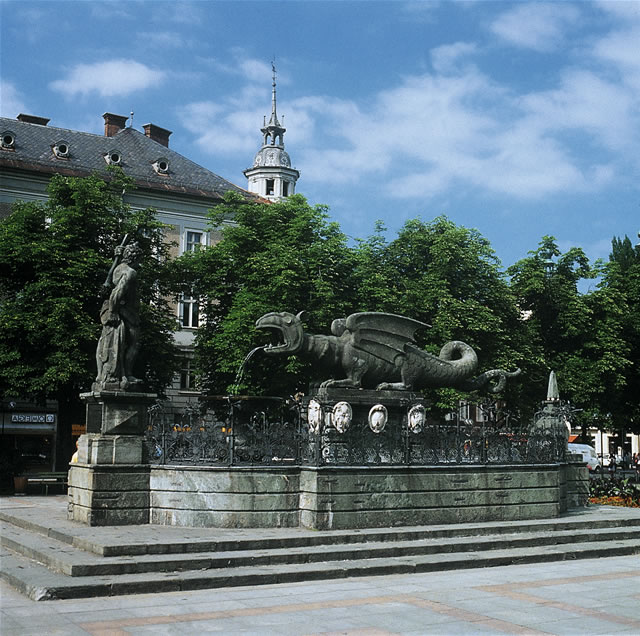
(580, 596)
(593, 596)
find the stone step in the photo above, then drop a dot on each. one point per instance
(113, 542)
(40, 583)
(66, 559)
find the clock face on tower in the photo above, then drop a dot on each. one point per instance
(284, 160)
(258, 160)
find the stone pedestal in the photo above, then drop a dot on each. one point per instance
(117, 412)
(397, 405)
(352, 427)
(109, 484)
(109, 495)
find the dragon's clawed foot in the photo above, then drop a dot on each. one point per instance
(392, 386)
(346, 383)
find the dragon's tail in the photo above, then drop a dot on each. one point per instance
(497, 378)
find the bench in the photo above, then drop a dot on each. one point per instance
(48, 479)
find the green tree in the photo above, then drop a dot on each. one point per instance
(288, 257)
(449, 277)
(284, 256)
(621, 284)
(574, 334)
(54, 257)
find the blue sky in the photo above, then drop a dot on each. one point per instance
(517, 118)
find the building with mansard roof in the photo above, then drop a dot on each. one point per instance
(31, 151)
(182, 192)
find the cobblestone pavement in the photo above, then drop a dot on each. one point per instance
(594, 596)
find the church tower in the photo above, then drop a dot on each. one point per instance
(271, 175)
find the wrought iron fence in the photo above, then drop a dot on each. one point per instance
(224, 431)
(244, 431)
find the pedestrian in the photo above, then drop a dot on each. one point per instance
(612, 465)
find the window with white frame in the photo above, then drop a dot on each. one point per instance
(187, 376)
(193, 240)
(189, 312)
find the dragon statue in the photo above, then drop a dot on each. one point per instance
(378, 350)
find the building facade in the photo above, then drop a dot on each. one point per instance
(182, 192)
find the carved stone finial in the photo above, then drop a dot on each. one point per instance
(553, 395)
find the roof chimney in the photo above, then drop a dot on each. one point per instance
(113, 124)
(33, 119)
(161, 135)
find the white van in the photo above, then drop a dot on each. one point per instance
(588, 455)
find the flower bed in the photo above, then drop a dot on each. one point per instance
(614, 492)
(615, 501)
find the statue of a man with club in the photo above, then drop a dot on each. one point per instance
(118, 345)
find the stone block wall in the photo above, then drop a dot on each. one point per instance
(354, 497)
(577, 481)
(109, 495)
(225, 497)
(341, 498)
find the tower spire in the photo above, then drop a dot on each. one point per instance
(271, 175)
(274, 115)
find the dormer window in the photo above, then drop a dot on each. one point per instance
(61, 150)
(8, 140)
(113, 158)
(161, 166)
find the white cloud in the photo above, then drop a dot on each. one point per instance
(221, 129)
(433, 132)
(621, 50)
(588, 103)
(453, 128)
(231, 127)
(538, 26)
(446, 58)
(11, 102)
(115, 77)
(255, 70)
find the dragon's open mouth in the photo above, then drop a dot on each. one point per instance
(278, 340)
(285, 330)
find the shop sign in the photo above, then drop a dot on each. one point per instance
(33, 418)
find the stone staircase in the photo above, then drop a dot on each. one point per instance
(46, 557)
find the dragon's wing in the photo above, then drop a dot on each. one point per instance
(382, 335)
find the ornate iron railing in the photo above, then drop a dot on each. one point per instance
(244, 431)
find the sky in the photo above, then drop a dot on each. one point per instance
(519, 119)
